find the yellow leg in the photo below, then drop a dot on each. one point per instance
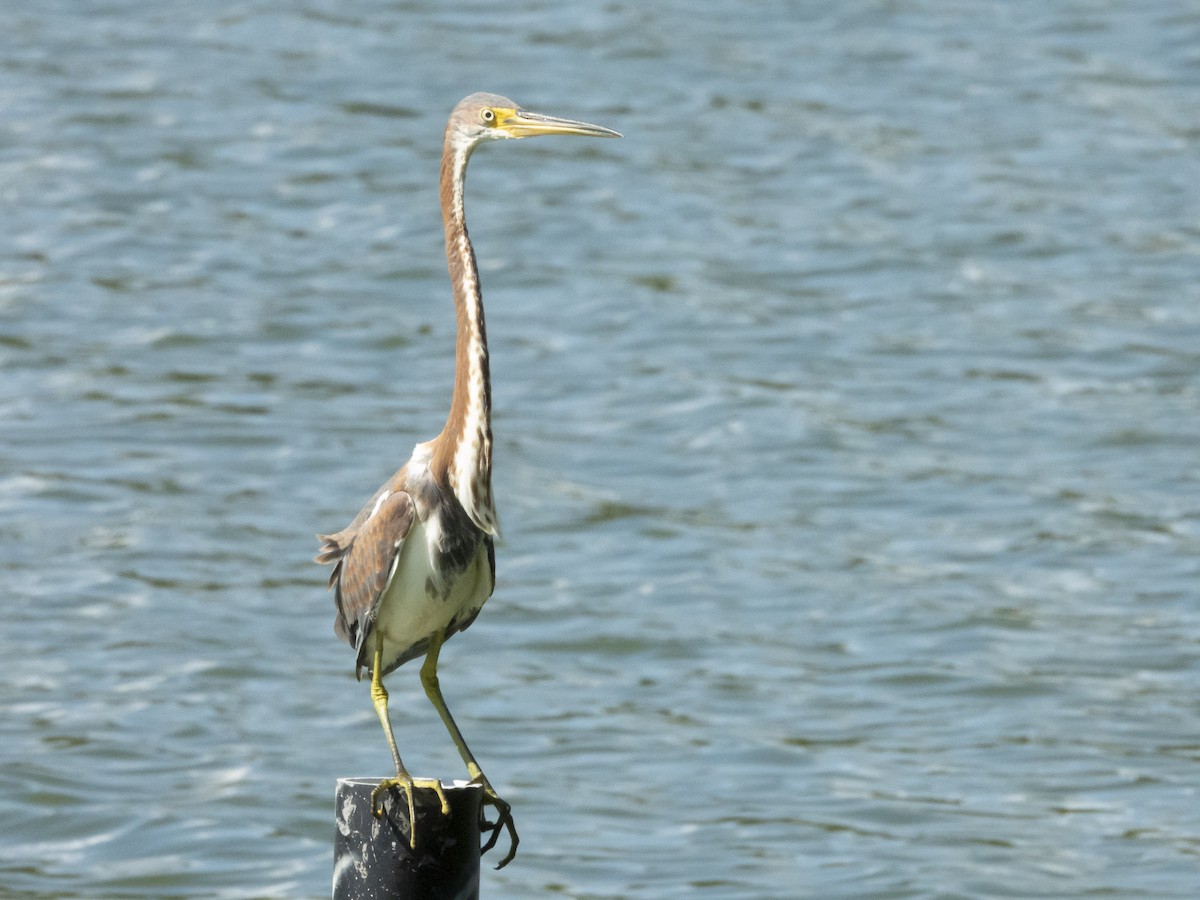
(433, 690)
(403, 781)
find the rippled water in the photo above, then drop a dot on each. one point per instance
(846, 419)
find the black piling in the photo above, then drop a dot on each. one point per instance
(373, 858)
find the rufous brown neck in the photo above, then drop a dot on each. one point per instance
(462, 455)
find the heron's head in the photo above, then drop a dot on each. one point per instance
(488, 117)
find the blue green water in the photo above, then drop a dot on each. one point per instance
(846, 440)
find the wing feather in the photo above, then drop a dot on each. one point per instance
(364, 560)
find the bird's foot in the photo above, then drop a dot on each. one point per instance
(407, 784)
(504, 820)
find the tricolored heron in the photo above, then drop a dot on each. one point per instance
(417, 563)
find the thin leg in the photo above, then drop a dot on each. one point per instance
(379, 697)
(429, 679)
(403, 780)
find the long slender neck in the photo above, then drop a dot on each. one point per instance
(462, 455)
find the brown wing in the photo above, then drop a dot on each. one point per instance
(364, 556)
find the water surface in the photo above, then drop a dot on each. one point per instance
(846, 428)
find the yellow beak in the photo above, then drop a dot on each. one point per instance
(520, 123)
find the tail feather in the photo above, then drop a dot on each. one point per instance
(331, 549)
(334, 548)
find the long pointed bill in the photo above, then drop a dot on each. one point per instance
(527, 124)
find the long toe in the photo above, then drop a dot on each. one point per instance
(504, 822)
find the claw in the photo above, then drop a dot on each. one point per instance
(504, 821)
(407, 784)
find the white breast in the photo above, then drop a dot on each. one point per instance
(420, 600)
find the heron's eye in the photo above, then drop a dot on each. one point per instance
(488, 116)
